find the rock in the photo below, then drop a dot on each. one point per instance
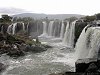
(92, 68)
(15, 51)
(2, 67)
(16, 45)
(47, 46)
(79, 26)
(39, 49)
(87, 65)
(2, 36)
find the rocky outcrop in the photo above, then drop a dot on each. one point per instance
(16, 46)
(88, 65)
(79, 26)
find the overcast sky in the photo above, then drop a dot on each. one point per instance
(84, 7)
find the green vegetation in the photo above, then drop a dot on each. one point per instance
(71, 19)
(25, 19)
(5, 19)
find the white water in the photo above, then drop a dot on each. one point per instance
(66, 35)
(44, 34)
(50, 28)
(72, 34)
(23, 26)
(88, 43)
(27, 26)
(53, 60)
(2, 29)
(9, 29)
(13, 28)
(62, 30)
(68, 39)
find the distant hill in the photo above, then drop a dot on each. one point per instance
(50, 16)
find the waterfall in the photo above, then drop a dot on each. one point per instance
(88, 43)
(2, 29)
(23, 26)
(68, 39)
(50, 28)
(62, 30)
(14, 27)
(67, 34)
(44, 28)
(9, 29)
(72, 34)
(27, 26)
(56, 29)
(44, 34)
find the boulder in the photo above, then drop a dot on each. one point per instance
(88, 65)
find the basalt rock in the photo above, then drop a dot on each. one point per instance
(88, 65)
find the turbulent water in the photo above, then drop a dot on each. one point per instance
(54, 60)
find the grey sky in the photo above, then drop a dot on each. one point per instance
(84, 7)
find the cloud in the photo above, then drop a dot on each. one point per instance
(12, 10)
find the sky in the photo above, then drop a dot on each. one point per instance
(83, 7)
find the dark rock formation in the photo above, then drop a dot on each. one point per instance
(88, 65)
(79, 26)
(18, 45)
(2, 67)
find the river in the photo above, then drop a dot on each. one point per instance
(54, 60)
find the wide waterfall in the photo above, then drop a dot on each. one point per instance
(88, 43)
(57, 59)
(12, 28)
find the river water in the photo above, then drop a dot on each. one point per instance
(54, 60)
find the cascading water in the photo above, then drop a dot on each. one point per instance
(9, 29)
(44, 34)
(23, 26)
(2, 29)
(66, 35)
(72, 34)
(88, 43)
(62, 30)
(50, 28)
(69, 34)
(14, 27)
(27, 26)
